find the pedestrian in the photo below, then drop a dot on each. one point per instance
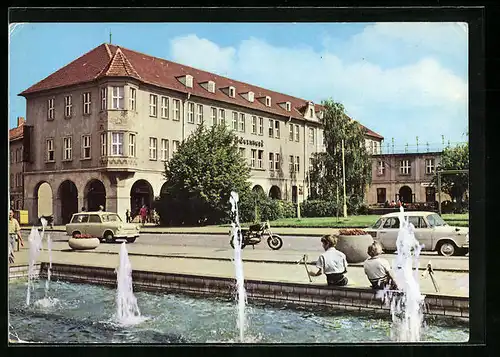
(84, 209)
(378, 270)
(332, 262)
(101, 208)
(14, 235)
(143, 212)
(127, 215)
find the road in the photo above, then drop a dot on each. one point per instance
(218, 245)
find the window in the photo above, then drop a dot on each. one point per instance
(253, 157)
(381, 195)
(86, 103)
(211, 86)
(190, 114)
(297, 133)
(418, 222)
(153, 148)
(276, 161)
(12, 180)
(381, 168)
(117, 98)
(430, 166)
(12, 156)
(254, 124)
(175, 145)
(50, 109)
(131, 98)
(104, 144)
(67, 148)
(153, 105)
(231, 92)
(260, 155)
(235, 121)
(261, 126)
(177, 109)
(268, 101)
(86, 146)
(290, 127)
(94, 218)
(164, 107)
(311, 164)
(271, 161)
(271, 128)
(290, 164)
(222, 117)
(296, 164)
(242, 152)
(288, 106)
(17, 156)
(116, 144)
(392, 222)
(311, 112)
(164, 149)
(104, 94)
(80, 218)
(430, 194)
(68, 106)
(404, 167)
(131, 145)
(242, 122)
(199, 114)
(311, 136)
(276, 129)
(50, 150)
(213, 115)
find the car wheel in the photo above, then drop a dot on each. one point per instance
(108, 237)
(447, 249)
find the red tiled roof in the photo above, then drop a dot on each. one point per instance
(371, 133)
(110, 60)
(16, 133)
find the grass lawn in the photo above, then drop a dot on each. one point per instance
(461, 220)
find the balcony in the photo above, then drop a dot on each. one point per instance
(118, 163)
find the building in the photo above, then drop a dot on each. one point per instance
(16, 167)
(404, 176)
(103, 126)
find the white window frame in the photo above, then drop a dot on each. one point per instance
(404, 167)
(104, 144)
(86, 146)
(164, 107)
(199, 113)
(87, 101)
(132, 98)
(291, 166)
(241, 122)
(175, 146)
(235, 121)
(311, 164)
(164, 149)
(260, 157)
(312, 139)
(131, 145)
(153, 149)
(296, 164)
(291, 135)
(176, 110)
(288, 106)
(261, 126)
(276, 161)
(381, 168)
(68, 106)
(117, 98)
(67, 148)
(271, 128)
(116, 145)
(271, 161)
(297, 133)
(232, 92)
(268, 101)
(242, 152)
(221, 120)
(49, 146)
(430, 166)
(213, 115)
(253, 157)
(254, 124)
(277, 129)
(50, 109)
(104, 95)
(153, 105)
(190, 118)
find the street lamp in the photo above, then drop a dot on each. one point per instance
(343, 174)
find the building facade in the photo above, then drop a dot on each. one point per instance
(16, 167)
(405, 176)
(103, 126)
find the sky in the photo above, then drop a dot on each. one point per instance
(401, 80)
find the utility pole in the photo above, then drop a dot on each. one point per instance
(110, 37)
(343, 174)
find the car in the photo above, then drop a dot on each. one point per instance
(430, 230)
(107, 226)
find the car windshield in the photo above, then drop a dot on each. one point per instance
(435, 220)
(111, 218)
(378, 223)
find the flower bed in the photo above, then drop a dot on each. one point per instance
(83, 236)
(354, 244)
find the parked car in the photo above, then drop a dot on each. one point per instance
(107, 226)
(430, 230)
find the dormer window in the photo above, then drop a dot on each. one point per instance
(248, 96)
(211, 86)
(232, 92)
(187, 80)
(288, 106)
(268, 101)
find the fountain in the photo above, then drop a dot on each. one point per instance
(127, 311)
(238, 264)
(49, 248)
(35, 243)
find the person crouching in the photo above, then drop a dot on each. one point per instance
(332, 263)
(378, 270)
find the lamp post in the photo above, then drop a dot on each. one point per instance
(343, 181)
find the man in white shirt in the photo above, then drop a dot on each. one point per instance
(332, 263)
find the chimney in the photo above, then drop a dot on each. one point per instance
(20, 121)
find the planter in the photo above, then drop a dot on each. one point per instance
(83, 243)
(354, 247)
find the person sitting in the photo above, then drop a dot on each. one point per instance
(332, 263)
(378, 270)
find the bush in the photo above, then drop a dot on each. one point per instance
(289, 209)
(318, 208)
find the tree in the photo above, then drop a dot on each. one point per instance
(454, 158)
(200, 177)
(326, 173)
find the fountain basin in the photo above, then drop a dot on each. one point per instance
(354, 247)
(83, 243)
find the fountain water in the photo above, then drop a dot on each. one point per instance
(407, 304)
(238, 264)
(35, 243)
(127, 311)
(49, 248)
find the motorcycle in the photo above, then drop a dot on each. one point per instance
(253, 235)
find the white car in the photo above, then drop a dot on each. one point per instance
(430, 230)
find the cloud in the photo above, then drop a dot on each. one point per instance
(422, 94)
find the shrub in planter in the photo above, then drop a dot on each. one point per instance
(83, 242)
(354, 244)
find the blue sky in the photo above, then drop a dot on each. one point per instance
(401, 80)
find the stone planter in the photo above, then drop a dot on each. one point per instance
(354, 247)
(83, 243)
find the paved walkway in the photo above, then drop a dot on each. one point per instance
(278, 266)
